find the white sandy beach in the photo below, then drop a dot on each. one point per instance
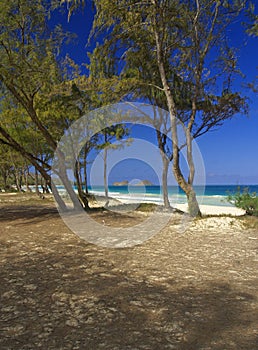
(205, 209)
(215, 210)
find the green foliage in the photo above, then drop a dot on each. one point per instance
(111, 134)
(252, 28)
(12, 168)
(187, 34)
(245, 200)
(253, 31)
(71, 5)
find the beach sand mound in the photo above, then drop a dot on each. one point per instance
(218, 223)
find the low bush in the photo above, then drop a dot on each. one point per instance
(245, 200)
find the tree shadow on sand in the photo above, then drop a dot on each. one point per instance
(29, 212)
(74, 298)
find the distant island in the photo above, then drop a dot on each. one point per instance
(143, 183)
(121, 183)
(139, 183)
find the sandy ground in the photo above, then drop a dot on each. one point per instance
(195, 290)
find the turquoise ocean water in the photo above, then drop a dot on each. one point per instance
(207, 195)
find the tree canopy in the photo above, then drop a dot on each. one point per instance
(175, 54)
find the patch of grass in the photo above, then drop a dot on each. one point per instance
(141, 207)
(91, 197)
(147, 207)
(245, 200)
(250, 222)
(26, 198)
(220, 216)
(96, 210)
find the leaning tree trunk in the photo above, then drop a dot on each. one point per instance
(61, 204)
(34, 161)
(187, 187)
(61, 171)
(193, 205)
(69, 189)
(29, 106)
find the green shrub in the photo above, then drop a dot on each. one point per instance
(245, 200)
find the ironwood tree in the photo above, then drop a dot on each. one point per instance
(189, 60)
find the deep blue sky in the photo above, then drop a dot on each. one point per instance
(230, 153)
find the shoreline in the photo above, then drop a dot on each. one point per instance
(210, 203)
(205, 209)
(113, 202)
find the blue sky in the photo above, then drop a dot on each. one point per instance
(230, 154)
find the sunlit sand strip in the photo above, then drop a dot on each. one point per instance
(214, 210)
(205, 209)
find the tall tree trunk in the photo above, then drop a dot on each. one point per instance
(45, 185)
(66, 182)
(26, 179)
(105, 176)
(193, 205)
(37, 183)
(61, 204)
(42, 185)
(85, 171)
(165, 162)
(5, 177)
(81, 194)
(17, 179)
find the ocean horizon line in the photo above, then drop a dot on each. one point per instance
(135, 185)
